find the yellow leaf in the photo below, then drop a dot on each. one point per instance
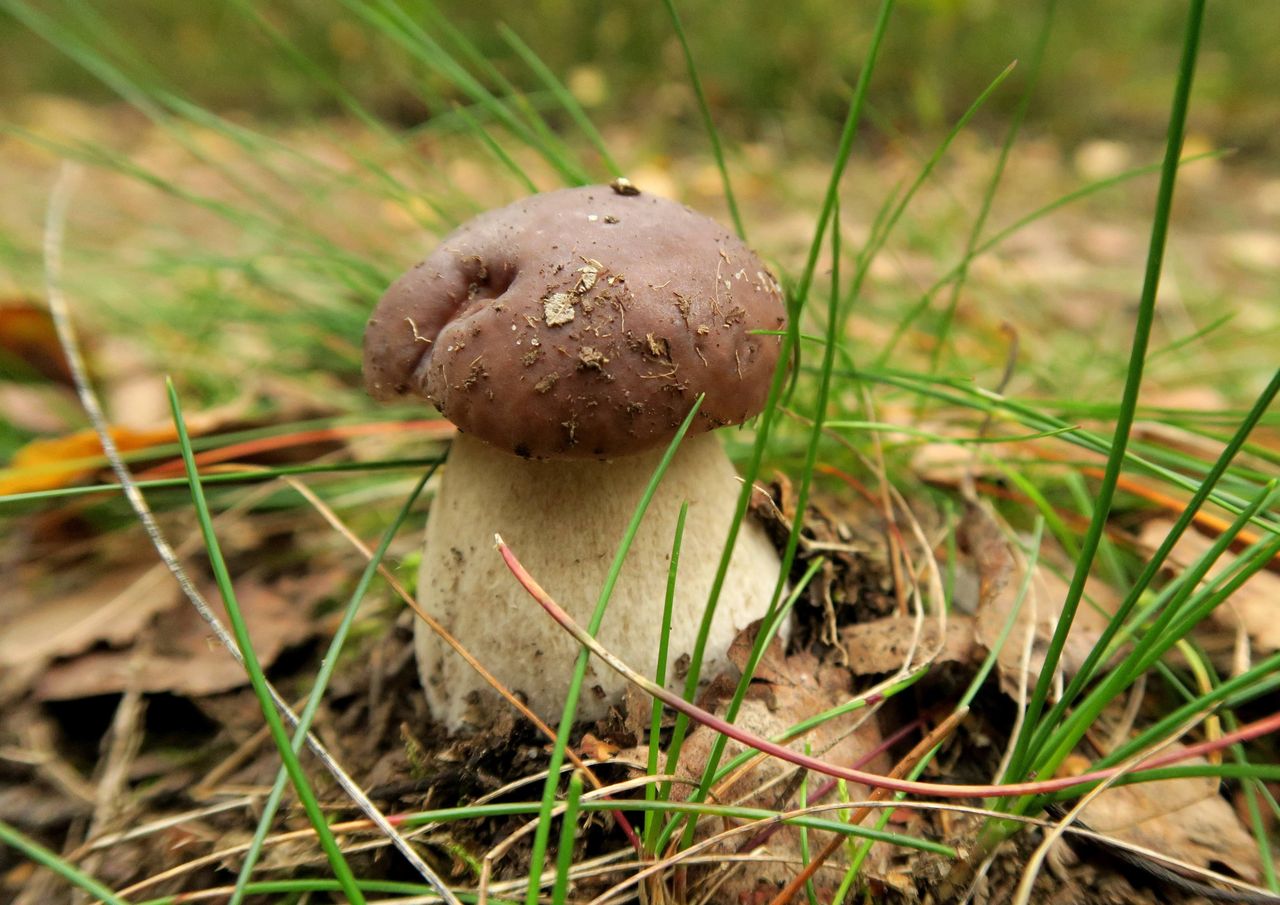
(53, 462)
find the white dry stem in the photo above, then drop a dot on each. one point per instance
(565, 521)
(60, 313)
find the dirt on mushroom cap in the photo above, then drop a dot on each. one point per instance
(581, 323)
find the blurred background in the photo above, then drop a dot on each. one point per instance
(780, 71)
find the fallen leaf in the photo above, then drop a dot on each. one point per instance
(1252, 606)
(772, 668)
(29, 346)
(178, 653)
(800, 687)
(596, 748)
(49, 463)
(948, 464)
(881, 646)
(111, 610)
(1185, 818)
(1000, 572)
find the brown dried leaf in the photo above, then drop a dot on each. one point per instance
(947, 464)
(46, 463)
(29, 346)
(178, 653)
(1000, 571)
(1185, 818)
(1252, 607)
(772, 667)
(882, 646)
(592, 747)
(112, 610)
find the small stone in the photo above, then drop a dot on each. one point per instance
(623, 186)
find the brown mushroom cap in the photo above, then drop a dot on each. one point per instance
(581, 323)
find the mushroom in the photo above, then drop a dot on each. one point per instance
(568, 336)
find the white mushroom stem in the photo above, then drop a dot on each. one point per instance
(565, 520)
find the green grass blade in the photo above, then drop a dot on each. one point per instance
(961, 393)
(1173, 623)
(1261, 679)
(1133, 381)
(802, 501)
(802, 727)
(660, 672)
(401, 28)
(1254, 790)
(296, 892)
(802, 802)
(1032, 548)
(713, 134)
(768, 631)
(844, 150)
(495, 148)
(1095, 657)
(327, 666)
(16, 840)
(1194, 336)
(790, 346)
(1000, 236)
(988, 197)
(241, 477)
(562, 95)
(441, 23)
(542, 833)
(337, 862)
(95, 63)
(892, 212)
(348, 101)
(568, 832)
(1253, 558)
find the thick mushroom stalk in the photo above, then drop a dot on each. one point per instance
(565, 519)
(568, 336)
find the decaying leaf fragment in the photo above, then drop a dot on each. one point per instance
(882, 646)
(998, 571)
(112, 610)
(1185, 818)
(177, 653)
(1252, 607)
(47, 463)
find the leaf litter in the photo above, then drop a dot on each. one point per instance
(379, 726)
